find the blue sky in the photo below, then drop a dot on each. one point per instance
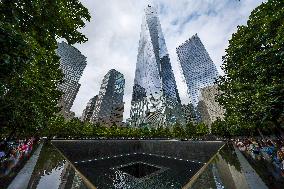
(114, 31)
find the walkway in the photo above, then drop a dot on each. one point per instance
(253, 179)
(23, 177)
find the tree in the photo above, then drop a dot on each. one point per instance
(160, 132)
(153, 132)
(87, 129)
(190, 130)
(178, 131)
(167, 132)
(77, 127)
(145, 132)
(55, 127)
(29, 68)
(201, 129)
(253, 88)
(220, 128)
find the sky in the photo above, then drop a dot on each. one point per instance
(114, 30)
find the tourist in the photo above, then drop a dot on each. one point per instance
(2, 154)
(280, 156)
(2, 150)
(241, 146)
(12, 154)
(270, 150)
(267, 150)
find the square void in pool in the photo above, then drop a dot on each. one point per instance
(139, 169)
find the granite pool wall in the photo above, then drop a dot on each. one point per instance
(78, 150)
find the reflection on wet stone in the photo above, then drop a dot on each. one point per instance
(53, 171)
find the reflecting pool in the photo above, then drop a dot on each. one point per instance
(144, 164)
(110, 164)
(109, 172)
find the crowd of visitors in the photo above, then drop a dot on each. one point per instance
(269, 150)
(12, 153)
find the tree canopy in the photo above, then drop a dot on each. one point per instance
(29, 66)
(253, 84)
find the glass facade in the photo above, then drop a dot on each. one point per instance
(155, 92)
(72, 63)
(189, 113)
(214, 109)
(109, 106)
(198, 69)
(89, 110)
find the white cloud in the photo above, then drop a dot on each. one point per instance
(114, 32)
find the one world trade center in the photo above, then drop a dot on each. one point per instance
(155, 99)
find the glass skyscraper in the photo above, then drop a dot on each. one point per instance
(72, 63)
(109, 105)
(155, 99)
(198, 69)
(89, 110)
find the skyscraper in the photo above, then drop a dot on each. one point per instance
(109, 105)
(89, 110)
(208, 96)
(72, 63)
(155, 99)
(189, 112)
(198, 69)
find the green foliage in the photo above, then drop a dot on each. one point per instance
(55, 125)
(220, 128)
(253, 88)
(29, 68)
(229, 127)
(167, 133)
(190, 130)
(178, 131)
(58, 127)
(201, 129)
(145, 131)
(161, 132)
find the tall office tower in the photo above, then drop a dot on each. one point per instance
(155, 99)
(110, 106)
(188, 112)
(214, 110)
(89, 110)
(198, 69)
(72, 63)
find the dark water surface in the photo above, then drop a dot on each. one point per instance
(173, 173)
